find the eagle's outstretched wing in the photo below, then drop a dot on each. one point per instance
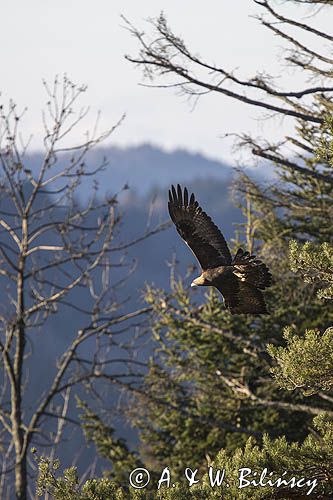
(198, 230)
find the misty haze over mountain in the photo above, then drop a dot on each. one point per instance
(146, 166)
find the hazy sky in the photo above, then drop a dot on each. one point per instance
(87, 40)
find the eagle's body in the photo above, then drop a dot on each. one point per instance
(239, 279)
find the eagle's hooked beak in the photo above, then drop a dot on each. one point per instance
(193, 284)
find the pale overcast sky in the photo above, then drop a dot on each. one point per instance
(87, 40)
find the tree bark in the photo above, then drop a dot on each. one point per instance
(18, 436)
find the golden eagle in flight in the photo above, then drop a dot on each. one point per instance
(239, 279)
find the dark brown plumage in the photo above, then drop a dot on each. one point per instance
(241, 279)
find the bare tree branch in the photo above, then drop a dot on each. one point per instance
(56, 253)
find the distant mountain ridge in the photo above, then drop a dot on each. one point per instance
(146, 166)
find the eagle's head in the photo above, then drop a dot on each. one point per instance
(200, 281)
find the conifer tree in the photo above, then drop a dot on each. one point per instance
(306, 362)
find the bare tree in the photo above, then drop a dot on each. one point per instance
(52, 247)
(164, 56)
